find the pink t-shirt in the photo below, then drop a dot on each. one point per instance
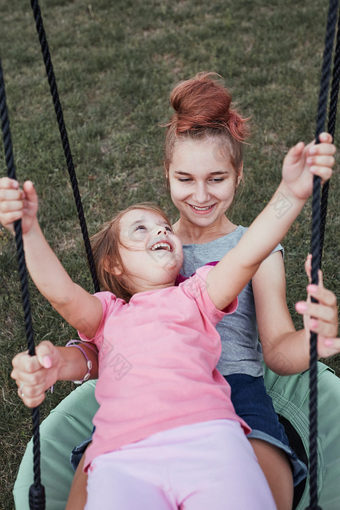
(157, 359)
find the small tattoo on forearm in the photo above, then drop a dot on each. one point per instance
(281, 205)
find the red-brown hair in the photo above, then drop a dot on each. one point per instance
(105, 247)
(203, 108)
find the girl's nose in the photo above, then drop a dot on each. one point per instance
(201, 194)
(161, 230)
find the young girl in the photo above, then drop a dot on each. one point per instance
(166, 337)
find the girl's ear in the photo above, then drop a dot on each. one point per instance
(110, 268)
(166, 170)
(239, 176)
(166, 173)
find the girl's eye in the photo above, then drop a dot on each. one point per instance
(169, 229)
(140, 227)
(217, 179)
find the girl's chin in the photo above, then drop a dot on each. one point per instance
(202, 219)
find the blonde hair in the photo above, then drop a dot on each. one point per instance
(105, 247)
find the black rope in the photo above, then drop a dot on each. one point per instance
(331, 130)
(64, 138)
(316, 246)
(37, 491)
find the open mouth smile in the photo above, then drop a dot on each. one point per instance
(161, 245)
(202, 210)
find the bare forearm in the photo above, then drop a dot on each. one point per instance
(240, 264)
(45, 269)
(270, 226)
(71, 301)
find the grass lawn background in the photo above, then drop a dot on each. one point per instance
(115, 64)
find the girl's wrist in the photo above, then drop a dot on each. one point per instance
(78, 362)
(62, 365)
(78, 345)
(288, 196)
(33, 231)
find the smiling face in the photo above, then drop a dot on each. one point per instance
(151, 253)
(203, 182)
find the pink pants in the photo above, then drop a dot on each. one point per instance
(204, 466)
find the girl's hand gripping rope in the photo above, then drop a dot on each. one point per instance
(17, 203)
(321, 317)
(302, 162)
(35, 374)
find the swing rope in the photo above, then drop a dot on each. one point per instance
(319, 212)
(331, 129)
(64, 137)
(37, 491)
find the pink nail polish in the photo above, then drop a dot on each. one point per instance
(301, 306)
(47, 362)
(312, 288)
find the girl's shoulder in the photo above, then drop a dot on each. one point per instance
(109, 300)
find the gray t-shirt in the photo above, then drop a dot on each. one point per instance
(241, 350)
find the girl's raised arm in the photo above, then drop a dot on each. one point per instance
(79, 308)
(230, 275)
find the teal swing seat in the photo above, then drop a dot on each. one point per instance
(71, 422)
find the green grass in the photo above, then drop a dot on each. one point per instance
(116, 63)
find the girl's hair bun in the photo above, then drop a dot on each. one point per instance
(201, 103)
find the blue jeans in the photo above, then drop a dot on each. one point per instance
(254, 405)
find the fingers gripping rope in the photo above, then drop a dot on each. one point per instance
(37, 491)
